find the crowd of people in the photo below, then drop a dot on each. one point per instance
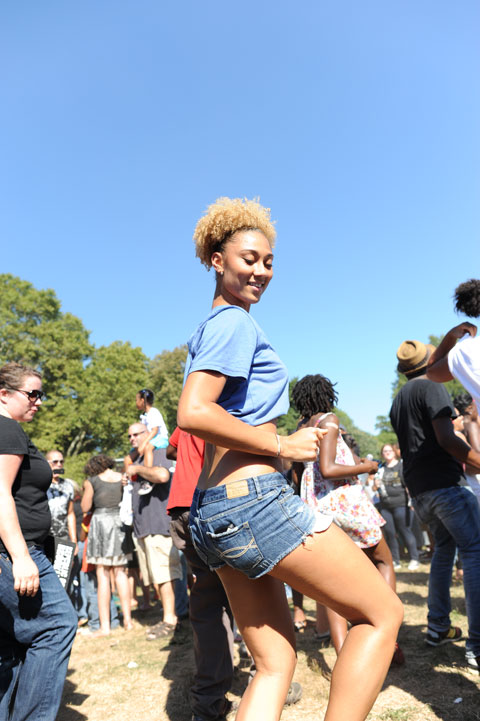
(250, 510)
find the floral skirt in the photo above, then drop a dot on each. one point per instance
(350, 508)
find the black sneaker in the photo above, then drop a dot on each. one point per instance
(437, 638)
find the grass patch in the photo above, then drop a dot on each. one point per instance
(101, 687)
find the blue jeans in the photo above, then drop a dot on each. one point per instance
(399, 520)
(453, 516)
(36, 637)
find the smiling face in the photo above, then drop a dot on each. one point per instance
(17, 405)
(245, 268)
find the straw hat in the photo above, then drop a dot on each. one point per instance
(413, 356)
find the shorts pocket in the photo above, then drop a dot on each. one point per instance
(236, 545)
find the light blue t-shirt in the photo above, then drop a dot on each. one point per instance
(230, 341)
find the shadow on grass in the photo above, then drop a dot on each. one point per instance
(435, 677)
(410, 598)
(71, 696)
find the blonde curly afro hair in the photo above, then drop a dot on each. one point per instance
(224, 218)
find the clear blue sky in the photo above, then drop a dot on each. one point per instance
(357, 123)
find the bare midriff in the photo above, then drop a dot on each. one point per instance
(222, 465)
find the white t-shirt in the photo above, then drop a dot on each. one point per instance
(464, 364)
(153, 418)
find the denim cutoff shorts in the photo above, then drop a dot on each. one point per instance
(251, 524)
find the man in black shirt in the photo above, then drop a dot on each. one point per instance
(432, 463)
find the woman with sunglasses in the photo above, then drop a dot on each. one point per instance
(37, 620)
(246, 523)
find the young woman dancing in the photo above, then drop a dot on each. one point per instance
(245, 521)
(329, 485)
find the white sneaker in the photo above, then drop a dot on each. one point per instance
(397, 566)
(473, 661)
(413, 565)
(144, 488)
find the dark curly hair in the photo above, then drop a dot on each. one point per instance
(314, 394)
(98, 464)
(462, 401)
(467, 298)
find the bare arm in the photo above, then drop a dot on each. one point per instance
(472, 430)
(199, 414)
(154, 474)
(87, 498)
(437, 366)
(71, 523)
(328, 451)
(171, 452)
(25, 571)
(451, 443)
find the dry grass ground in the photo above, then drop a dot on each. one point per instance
(102, 687)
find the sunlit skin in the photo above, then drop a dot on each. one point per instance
(245, 268)
(16, 405)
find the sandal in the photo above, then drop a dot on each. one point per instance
(161, 630)
(299, 626)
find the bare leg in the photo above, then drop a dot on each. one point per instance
(338, 629)
(381, 557)
(331, 569)
(148, 456)
(123, 590)
(167, 596)
(104, 594)
(321, 624)
(261, 611)
(298, 613)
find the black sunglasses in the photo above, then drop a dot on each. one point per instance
(33, 396)
(134, 435)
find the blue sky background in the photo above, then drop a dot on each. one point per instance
(357, 123)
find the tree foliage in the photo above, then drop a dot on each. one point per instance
(166, 380)
(90, 392)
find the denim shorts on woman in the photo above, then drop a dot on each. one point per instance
(251, 524)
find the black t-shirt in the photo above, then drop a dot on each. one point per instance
(32, 481)
(426, 465)
(392, 491)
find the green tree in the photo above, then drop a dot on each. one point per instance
(386, 434)
(34, 331)
(453, 387)
(288, 423)
(90, 392)
(112, 379)
(166, 380)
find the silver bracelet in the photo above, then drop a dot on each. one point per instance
(279, 445)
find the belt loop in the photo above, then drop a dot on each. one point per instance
(258, 490)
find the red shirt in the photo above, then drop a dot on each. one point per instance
(190, 452)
